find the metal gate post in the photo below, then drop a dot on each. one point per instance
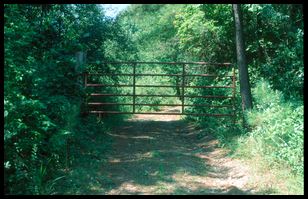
(233, 95)
(85, 87)
(85, 79)
(134, 87)
(183, 84)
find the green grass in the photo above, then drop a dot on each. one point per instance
(273, 143)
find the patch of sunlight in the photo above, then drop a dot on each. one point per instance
(147, 155)
(156, 118)
(132, 137)
(184, 179)
(165, 188)
(189, 183)
(143, 137)
(141, 156)
(131, 188)
(115, 160)
(116, 135)
(96, 188)
(134, 158)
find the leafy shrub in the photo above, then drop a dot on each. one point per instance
(43, 94)
(277, 127)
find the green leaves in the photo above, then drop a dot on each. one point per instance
(274, 44)
(43, 93)
(278, 126)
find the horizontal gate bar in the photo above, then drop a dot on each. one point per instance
(136, 62)
(177, 75)
(156, 113)
(131, 95)
(208, 96)
(206, 75)
(130, 104)
(166, 86)
(208, 86)
(108, 85)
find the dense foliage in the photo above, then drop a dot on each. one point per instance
(44, 93)
(273, 36)
(277, 127)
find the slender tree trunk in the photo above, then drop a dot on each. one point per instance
(241, 59)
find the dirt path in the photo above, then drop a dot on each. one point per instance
(164, 155)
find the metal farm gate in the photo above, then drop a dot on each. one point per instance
(96, 105)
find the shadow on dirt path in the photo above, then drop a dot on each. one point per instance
(165, 155)
(156, 154)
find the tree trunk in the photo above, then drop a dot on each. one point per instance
(241, 59)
